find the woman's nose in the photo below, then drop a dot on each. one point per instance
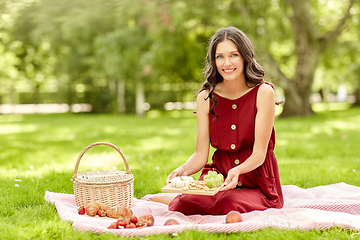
(227, 61)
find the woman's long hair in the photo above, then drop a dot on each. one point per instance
(254, 73)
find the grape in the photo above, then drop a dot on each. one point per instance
(211, 183)
(220, 178)
(213, 179)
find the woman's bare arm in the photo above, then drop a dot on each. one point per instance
(200, 157)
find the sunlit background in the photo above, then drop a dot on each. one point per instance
(122, 56)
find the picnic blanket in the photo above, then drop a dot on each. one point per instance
(319, 207)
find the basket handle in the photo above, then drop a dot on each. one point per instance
(96, 144)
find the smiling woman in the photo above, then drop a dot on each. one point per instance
(235, 115)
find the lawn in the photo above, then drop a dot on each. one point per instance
(39, 152)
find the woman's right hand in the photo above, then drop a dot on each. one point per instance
(180, 171)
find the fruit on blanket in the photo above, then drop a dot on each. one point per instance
(132, 222)
(119, 212)
(171, 221)
(140, 224)
(123, 222)
(93, 207)
(131, 225)
(134, 219)
(113, 225)
(233, 217)
(101, 213)
(148, 219)
(81, 210)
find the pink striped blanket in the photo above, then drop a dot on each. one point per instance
(314, 208)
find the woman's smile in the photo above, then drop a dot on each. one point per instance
(229, 62)
(228, 71)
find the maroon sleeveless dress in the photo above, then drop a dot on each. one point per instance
(232, 135)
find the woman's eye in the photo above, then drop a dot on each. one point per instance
(234, 55)
(219, 56)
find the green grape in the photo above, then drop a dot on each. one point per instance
(213, 179)
(220, 178)
(211, 182)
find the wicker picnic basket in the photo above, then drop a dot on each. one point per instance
(111, 187)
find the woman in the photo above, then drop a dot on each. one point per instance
(235, 114)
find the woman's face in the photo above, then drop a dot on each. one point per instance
(228, 60)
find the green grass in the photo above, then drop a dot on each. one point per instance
(39, 152)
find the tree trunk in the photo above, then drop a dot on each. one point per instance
(11, 93)
(297, 94)
(121, 96)
(36, 93)
(298, 105)
(357, 97)
(70, 94)
(140, 99)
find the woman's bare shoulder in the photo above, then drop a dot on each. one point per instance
(203, 94)
(203, 101)
(266, 89)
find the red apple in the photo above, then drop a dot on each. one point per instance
(148, 219)
(233, 217)
(171, 221)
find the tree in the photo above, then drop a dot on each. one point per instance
(107, 52)
(290, 37)
(9, 74)
(122, 52)
(310, 44)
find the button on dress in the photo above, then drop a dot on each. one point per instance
(259, 189)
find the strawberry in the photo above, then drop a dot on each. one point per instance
(140, 224)
(134, 219)
(113, 226)
(81, 210)
(131, 225)
(101, 213)
(127, 221)
(121, 222)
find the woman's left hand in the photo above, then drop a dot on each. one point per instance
(232, 179)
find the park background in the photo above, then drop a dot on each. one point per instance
(132, 56)
(74, 72)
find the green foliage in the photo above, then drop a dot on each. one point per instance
(78, 50)
(38, 153)
(341, 64)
